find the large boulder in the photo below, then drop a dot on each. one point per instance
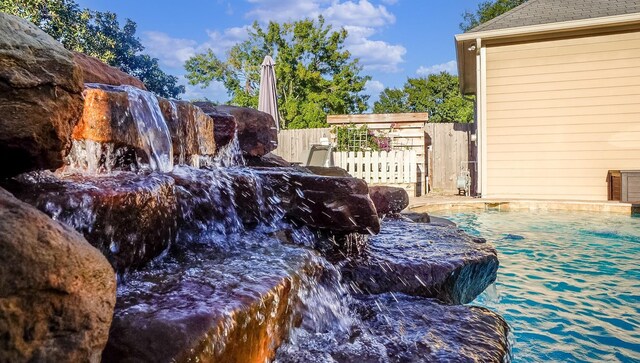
(257, 131)
(192, 131)
(57, 292)
(426, 260)
(130, 217)
(389, 199)
(96, 71)
(225, 125)
(40, 98)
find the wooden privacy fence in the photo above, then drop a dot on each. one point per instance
(293, 145)
(398, 167)
(447, 148)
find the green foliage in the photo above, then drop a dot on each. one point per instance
(392, 100)
(437, 94)
(354, 138)
(486, 11)
(315, 75)
(97, 34)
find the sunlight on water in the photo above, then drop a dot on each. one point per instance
(568, 283)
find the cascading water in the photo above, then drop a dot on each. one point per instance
(230, 154)
(230, 246)
(152, 128)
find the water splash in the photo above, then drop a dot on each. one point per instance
(230, 154)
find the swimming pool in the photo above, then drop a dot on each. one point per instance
(568, 283)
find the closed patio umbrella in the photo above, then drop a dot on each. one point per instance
(267, 99)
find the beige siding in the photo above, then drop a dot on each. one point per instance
(560, 114)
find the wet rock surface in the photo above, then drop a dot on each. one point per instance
(131, 218)
(96, 71)
(57, 292)
(203, 304)
(389, 199)
(268, 161)
(330, 171)
(40, 98)
(339, 204)
(224, 123)
(423, 260)
(192, 131)
(256, 130)
(401, 328)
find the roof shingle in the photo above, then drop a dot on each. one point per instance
(536, 12)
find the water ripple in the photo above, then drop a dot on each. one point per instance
(568, 284)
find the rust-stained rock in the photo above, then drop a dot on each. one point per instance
(424, 260)
(106, 119)
(57, 292)
(225, 124)
(40, 98)
(192, 131)
(203, 305)
(129, 217)
(257, 132)
(389, 199)
(96, 71)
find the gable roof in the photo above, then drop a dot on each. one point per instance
(536, 12)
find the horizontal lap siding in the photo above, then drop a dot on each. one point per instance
(560, 114)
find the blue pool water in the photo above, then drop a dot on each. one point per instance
(568, 283)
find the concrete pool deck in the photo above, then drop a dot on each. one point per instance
(432, 203)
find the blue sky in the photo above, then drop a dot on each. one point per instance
(394, 39)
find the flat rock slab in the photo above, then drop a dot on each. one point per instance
(203, 305)
(339, 204)
(399, 328)
(423, 260)
(129, 217)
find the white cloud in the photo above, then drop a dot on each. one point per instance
(172, 52)
(214, 92)
(284, 10)
(373, 87)
(375, 55)
(220, 42)
(450, 67)
(360, 18)
(362, 13)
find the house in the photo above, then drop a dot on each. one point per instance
(557, 86)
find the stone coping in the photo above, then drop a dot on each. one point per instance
(468, 204)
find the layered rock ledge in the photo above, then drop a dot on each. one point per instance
(201, 305)
(425, 260)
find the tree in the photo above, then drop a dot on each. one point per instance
(315, 75)
(392, 100)
(97, 34)
(486, 11)
(437, 94)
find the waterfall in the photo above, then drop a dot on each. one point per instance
(230, 154)
(152, 128)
